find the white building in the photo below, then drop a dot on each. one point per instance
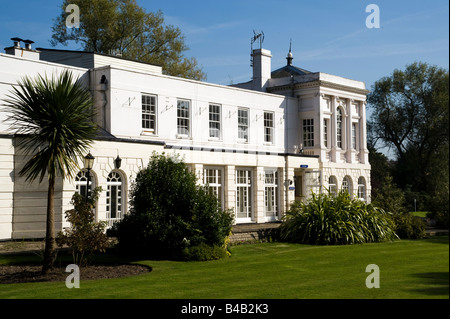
(260, 145)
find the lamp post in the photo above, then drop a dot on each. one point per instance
(88, 164)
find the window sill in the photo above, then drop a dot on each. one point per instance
(183, 136)
(148, 133)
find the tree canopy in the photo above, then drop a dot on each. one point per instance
(411, 115)
(122, 27)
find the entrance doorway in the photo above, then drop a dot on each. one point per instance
(306, 183)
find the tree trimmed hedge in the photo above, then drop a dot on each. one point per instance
(170, 213)
(326, 219)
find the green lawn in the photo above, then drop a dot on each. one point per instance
(420, 214)
(408, 269)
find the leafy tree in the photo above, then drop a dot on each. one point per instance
(124, 28)
(53, 121)
(389, 197)
(411, 114)
(170, 212)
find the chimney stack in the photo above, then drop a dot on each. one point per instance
(17, 42)
(28, 44)
(26, 52)
(261, 68)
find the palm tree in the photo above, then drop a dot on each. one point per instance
(52, 119)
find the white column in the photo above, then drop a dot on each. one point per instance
(230, 187)
(258, 191)
(333, 129)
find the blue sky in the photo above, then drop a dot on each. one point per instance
(327, 36)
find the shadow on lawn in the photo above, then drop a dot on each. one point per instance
(438, 281)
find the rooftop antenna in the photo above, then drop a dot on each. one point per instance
(256, 36)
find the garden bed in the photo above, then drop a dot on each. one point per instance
(32, 273)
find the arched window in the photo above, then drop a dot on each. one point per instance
(332, 185)
(339, 127)
(362, 188)
(347, 185)
(114, 194)
(81, 181)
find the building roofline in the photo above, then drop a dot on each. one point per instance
(97, 53)
(316, 83)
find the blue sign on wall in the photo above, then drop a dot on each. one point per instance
(303, 166)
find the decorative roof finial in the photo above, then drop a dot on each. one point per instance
(289, 57)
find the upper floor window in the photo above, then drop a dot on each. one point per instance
(243, 124)
(339, 127)
(308, 132)
(354, 136)
(325, 132)
(214, 121)
(268, 127)
(183, 117)
(149, 113)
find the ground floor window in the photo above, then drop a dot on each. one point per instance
(332, 185)
(244, 194)
(114, 210)
(81, 182)
(362, 188)
(312, 182)
(212, 177)
(347, 185)
(271, 194)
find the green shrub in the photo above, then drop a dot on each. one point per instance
(84, 236)
(408, 226)
(204, 252)
(334, 220)
(170, 212)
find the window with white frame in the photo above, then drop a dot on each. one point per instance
(81, 182)
(347, 185)
(149, 113)
(114, 189)
(183, 117)
(354, 136)
(325, 132)
(362, 188)
(308, 132)
(243, 124)
(332, 185)
(268, 127)
(212, 177)
(339, 127)
(244, 194)
(214, 121)
(271, 194)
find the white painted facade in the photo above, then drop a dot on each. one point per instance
(259, 145)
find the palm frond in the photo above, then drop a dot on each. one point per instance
(53, 121)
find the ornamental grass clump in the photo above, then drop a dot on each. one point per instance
(327, 219)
